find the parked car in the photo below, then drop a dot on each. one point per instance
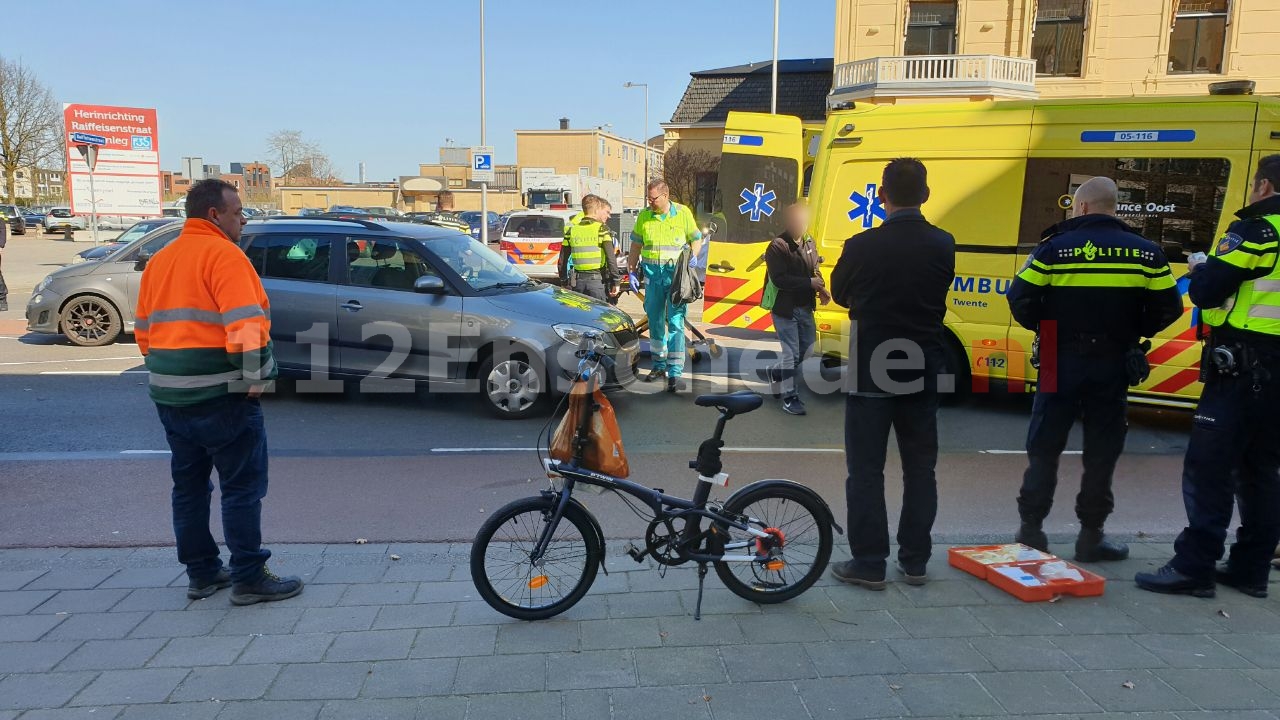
(349, 274)
(308, 212)
(174, 212)
(34, 217)
(134, 232)
(388, 212)
(473, 219)
(12, 215)
(531, 240)
(61, 218)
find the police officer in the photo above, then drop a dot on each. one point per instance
(445, 216)
(589, 244)
(662, 232)
(1091, 290)
(4, 289)
(1233, 448)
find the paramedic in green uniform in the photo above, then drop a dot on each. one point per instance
(663, 230)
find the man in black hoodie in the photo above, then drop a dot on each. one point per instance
(1092, 290)
(894, 280)
(792, 262)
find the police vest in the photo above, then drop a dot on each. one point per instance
(584, 246)
(667, 235)
(1256, 305)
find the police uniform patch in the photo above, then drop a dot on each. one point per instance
(1229, 242)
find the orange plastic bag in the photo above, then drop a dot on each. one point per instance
(603, 452)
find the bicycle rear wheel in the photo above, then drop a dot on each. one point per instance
(802, 521)
(506, 577)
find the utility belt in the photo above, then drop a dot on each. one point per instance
(1136, 365)
(1235, 358)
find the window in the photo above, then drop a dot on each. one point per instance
(1175, 203)
(291, 257)
(706, 195)
(152, 246)
(931, 29)
(386, 264)
(1199, 36)
(1058, 44)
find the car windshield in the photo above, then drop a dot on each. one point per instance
(535, 227)
(480, 267)
(137, 231)
(60, 213)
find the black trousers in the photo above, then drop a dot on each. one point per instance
(591, 284)
(1094, 387)
(914, 419)
(4, 289)
(1234, 453)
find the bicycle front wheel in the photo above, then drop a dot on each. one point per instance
(799, 519)
(506, 576)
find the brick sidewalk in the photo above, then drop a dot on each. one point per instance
(110, 634)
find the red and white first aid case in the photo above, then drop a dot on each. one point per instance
(1026, 573)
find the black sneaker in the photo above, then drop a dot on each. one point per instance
(4, 306)
(1033, 537)
(913, 576)
(654, 375)
(793, 406)
(1169, 581)
(1094, 546)
(677, 384)
(201, 589)
(268, 588)
(849, 572)
(1225, 577)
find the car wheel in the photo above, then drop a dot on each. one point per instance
(512, 388)
(90, 321)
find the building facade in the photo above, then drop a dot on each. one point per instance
(906, 50)
(595, 152)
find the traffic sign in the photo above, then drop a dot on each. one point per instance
(482, 164)
(80, 138)
(90, 155)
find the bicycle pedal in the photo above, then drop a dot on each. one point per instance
(636, 553)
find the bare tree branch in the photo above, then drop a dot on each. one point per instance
(300, 161)
(681, 169)
(31, 133)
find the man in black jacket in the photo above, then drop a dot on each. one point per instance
(894, 280)
(792, 262)
(1092, 289)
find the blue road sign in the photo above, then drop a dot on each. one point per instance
(482, 162)
(86, 139)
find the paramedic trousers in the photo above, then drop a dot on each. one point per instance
(591, 284)
(666, 321)
(1233, 454)
(914, 419)
(1094, 386)
(797, 333)
(227, 434)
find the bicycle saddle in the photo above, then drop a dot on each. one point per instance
(743, 401)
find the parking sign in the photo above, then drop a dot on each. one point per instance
(482, 164)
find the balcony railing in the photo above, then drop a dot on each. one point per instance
(935, 76)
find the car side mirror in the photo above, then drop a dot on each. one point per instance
(144, 257)
(429, 285)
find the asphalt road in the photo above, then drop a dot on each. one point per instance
(82, 459)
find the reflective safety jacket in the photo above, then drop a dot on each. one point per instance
(662, 237)
(588, 247)
(203, 319)
(1096, 278)
(1239, 285)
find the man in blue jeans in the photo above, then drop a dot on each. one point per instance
(792, 262)
(203, 325)
(662, 232)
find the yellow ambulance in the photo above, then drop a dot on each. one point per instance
(1000, 173)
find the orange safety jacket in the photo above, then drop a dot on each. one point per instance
(203, 320)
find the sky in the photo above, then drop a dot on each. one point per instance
(386, 82)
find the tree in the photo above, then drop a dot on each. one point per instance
(682, 169)
(299, 160)
(30, 125)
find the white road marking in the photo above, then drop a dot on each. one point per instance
(783, 450)
(483, 449)
(94, 372)
(136, 358)
(145, 452)
(1024, 452)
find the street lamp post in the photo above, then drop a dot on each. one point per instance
(484, 186)
(644, 136)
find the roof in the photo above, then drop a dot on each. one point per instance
(803, 86)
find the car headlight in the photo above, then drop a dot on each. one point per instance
(44, 283)
(573, 334)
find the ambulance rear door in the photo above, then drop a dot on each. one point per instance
(760, 175)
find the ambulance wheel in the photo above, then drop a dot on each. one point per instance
(955, 364)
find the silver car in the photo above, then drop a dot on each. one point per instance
(61, 218)
(390, 305)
